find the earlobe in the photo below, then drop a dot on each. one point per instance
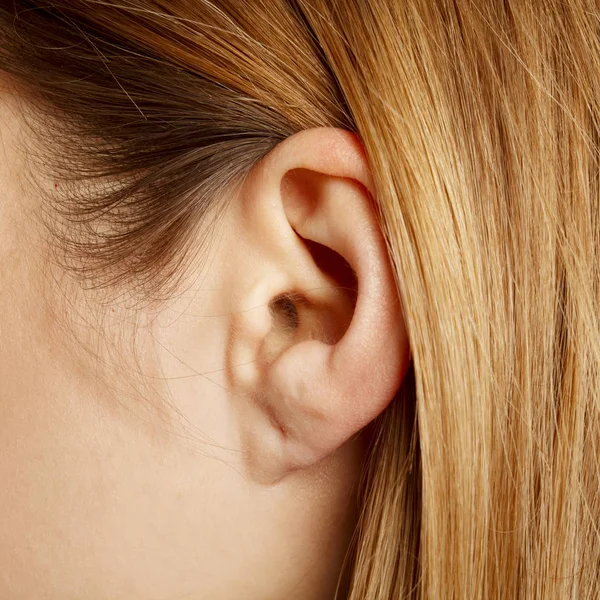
(340, 367)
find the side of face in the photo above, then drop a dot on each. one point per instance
(208, 446)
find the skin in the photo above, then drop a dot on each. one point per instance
(136, 459)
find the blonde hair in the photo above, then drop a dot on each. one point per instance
(481, 122)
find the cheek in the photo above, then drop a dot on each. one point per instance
(99, 508)
(104, 504)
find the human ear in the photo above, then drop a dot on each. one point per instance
(317, 341)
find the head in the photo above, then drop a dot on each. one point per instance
(299, 300)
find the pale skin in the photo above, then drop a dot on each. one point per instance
(201, 448)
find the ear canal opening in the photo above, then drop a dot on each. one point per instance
(285, 312)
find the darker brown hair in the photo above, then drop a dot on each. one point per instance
(146, 111)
